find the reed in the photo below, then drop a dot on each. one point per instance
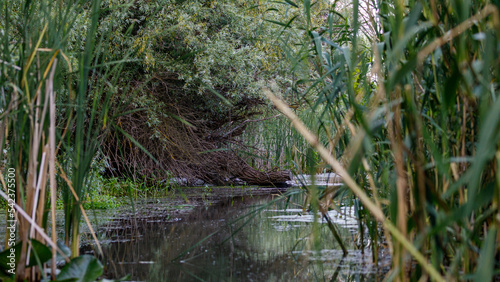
(51, 114)
(407, 100)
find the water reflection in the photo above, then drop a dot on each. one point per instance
(344, 218)
(269, 244)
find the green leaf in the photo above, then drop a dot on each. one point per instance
(84, 268)
(5, 261)
(65, 249)
(486, 265)
(400, 75)
(291, 3)
(278, 23)
(347, 57)
(43, 252)
(285, 26)
(307, 11)
(409, 35)
(216, 93)
(317, 43)
(181, 120)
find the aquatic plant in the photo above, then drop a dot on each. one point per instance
(411, 89)
(55, 98)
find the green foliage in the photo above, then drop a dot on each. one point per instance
(275, 144)
(413, 117)
(119, 187)
(100, 200)
(195, 69)
(55, 106)
(222, 45)
(406, 98)
(84, 268)
(39, 255)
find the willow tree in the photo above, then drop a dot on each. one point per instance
(196, 75)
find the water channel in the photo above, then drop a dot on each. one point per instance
(255, 235)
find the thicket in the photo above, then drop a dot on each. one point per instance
(403, 93)
(196, 75)
(402, 101)
(55, 97)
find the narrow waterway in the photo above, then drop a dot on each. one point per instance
(248, 237)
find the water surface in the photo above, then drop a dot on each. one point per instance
(241, 238)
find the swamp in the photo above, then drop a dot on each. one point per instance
(249, 140)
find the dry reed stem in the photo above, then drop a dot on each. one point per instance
(351, 184)
(34, 187)
(35, 200)
(10, 64)
(92, 232)
(45, 73)
(34, 147)
(43, 184)
(314, 142)
(452, 33)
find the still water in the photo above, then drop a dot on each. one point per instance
(241, 238)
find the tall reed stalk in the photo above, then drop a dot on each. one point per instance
(50, 114)
(411, 88)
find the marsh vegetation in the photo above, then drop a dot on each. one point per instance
(108, 99)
